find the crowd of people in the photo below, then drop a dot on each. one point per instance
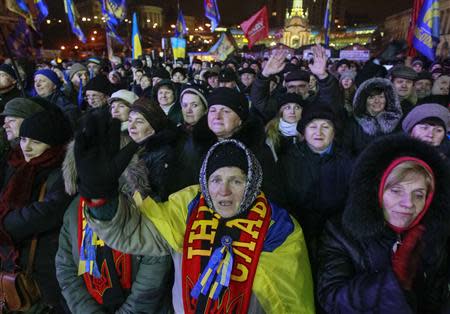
(275, 185)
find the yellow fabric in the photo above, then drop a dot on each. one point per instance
(179, 52)
(283, 281)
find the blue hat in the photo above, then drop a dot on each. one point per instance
(51, 75)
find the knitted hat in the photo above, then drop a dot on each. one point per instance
(51, 75)
(8, 70)
(100, 84)
(230, 98)
(75, 68)
(49, 127)
(349, 74)
(227, 155)
(21, 108)
(94, 60)
(227, 75)
(417, 61)
(197, 90)
(316, 111)
(297, 75)
(151, 112)
(124, 95)
(425, 111)
(402, 71)
(287, 98)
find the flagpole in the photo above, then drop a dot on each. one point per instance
(13, 61)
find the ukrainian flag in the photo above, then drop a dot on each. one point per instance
(426, 34)
(136, 39)
(327, 21)
(180, 28)
(178, 47)
(42, 9)
(72, 15)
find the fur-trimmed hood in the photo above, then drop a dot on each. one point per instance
(363, 217)
(134, 178)
(386, 121)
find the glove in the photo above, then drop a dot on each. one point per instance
(98, 158)
(405, 261)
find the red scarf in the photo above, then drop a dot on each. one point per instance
(204, 229)
(18, 190)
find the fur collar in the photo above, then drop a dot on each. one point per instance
(386, 121)
(363, 217)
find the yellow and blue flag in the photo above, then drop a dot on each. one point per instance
(223, 47)
(426, 34)
(180, 27)
(212, 13)
(178, 47)
(136, 39)
(327, 21)
(21, 8)
(72, 15)
(42, 10)
(114, 12)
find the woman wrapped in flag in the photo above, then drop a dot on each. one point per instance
(233, 250)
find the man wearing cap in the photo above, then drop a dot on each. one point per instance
(228, 78)
(8, 85)
(78, 77)
(403, 79)
(98, 90)
(212, 79)
(417, 65)
(47, 85)
(94, 67)
(247, 77)
(423, 85)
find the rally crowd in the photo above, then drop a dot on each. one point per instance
(276, 185)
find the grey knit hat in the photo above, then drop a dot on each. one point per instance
(426, 111)
(21, 108)
(254, 172)
(75, 68)
(347, 74)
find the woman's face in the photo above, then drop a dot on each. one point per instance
(319, 134)
(145, 82)
(138, 127)
(403, 201)
(192, 108)
(291, 112)
(165, 96)
(375, 104)
(177, 77)
(346, 83)
(226, 187)
(223, 121)
(32, 148)
(120, 110)
(432, 134)
(43, 85)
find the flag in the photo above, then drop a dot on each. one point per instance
(112, 33)
(256, 27)
(42, 10)
(212, 13)
(178, 47)
(223, 47)
(327, 21)
(114, 10)
(20, 41)
(426, 34)
(21, 8)
(412, 26)
(180, 27)
(72, 15)
(136, 39)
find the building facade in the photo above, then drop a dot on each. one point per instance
(297, 31)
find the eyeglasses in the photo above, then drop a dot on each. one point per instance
(94, 97)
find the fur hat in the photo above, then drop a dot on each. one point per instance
(426, 111)
(232, 99)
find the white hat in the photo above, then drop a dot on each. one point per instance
(125, 95)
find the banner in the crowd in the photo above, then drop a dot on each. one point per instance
(136, 39)
(31, 12)
(180, 27)
(115, 10)
(178, 47)
(72, 15)
(256, 27)
(223, 47)
(212, 13)
(426, 35)
(417, 5)
(327, 21)
(355, 55)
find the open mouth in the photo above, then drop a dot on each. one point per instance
(225, 203)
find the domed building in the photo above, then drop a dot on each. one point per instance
(296, 27)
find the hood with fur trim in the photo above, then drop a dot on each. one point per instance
(363, 217)
(386, 121)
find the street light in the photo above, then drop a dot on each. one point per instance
(48, 21)
(63, 47)
(93, 38)
(76, 47)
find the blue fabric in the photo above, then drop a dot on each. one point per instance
(212, 13)
(88, 253)
(72, 15)
(426, 33)
(51, 75)
(278, 231)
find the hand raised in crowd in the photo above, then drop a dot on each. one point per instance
(98, 157)
(275, 64)
(319, 66)
(405, 261)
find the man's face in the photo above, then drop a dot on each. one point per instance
(247, 79)
(423, 88)
(6, 81)
(342, 68)
(12, 127)
(93, 68)
(299, 87)
(403, 87)
(78, 77)
(213, 81)
(96, 99)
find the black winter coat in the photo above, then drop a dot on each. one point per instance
(70, 110)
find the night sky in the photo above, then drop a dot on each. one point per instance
(235, 11)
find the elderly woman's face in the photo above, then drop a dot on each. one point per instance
(226, 187)
(32, 148)
(165, 96)
(138, 127)
(319, 134)
(432, 134)
(192, 108)
(223, 121)
(403, 201)
(43, 85)
(120, 110)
